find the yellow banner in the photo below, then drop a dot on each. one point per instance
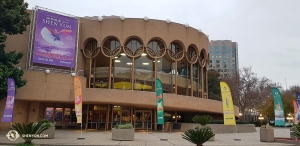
(78, 98)
(228, 109)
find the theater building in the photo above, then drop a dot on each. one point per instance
(117, 60)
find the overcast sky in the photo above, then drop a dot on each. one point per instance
(267, 31)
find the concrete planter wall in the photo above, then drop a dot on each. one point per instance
(122, 134)
(50, 132)
(267, 135)
(219, 128)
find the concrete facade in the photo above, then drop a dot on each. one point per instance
(56, 88)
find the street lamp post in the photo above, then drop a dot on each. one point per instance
(260, 118)
(289, 118)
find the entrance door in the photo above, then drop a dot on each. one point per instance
(142, 119)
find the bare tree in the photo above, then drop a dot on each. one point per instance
(248, 91)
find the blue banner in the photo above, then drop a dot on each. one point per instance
(278, 107)
(298, 105)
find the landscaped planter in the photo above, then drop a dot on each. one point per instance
(50, 132)
(212, 139)
(267, 135)
(122, 134)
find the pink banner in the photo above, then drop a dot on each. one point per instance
(295, 112)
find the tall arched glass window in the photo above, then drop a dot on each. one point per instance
(166, 73)
(122, 69)
(90, 46)
(101, 66)
(144, 73)
(183, 79)
(196, 79)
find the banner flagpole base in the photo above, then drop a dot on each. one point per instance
(237, 137)
(162, 130)
(80, 138)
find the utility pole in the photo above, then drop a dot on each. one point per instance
(285, 84)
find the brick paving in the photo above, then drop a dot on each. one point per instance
(69, 137)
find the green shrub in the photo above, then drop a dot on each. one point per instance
(47, 123)
(296, 131)
(198, 136)
(123, 126)
(202, 119)
(30, 128)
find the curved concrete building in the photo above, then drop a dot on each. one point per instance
(118, 62)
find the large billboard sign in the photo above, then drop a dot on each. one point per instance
(55, 39)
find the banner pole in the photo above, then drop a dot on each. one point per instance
(81, 138)
(236, 135)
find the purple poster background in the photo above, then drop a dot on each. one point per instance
(55, 39)
(49, 113)
(10, 101)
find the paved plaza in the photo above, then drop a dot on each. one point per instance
(69, 137)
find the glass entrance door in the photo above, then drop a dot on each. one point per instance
(142, 119)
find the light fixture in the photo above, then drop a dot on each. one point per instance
(157, 61)
(168, 20)
(100, 18)
(129, 63)
(117, 61)
(186, 25)
(123, 54)
(78, 71)
(146, 18)
(240, 114)
(146, 63)
(173, 116)
(122, 18)
(47, 71)
(144, 54)
(73, 74)
(116, 57)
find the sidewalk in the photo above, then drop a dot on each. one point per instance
(69, 137)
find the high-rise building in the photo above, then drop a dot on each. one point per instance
(223, 56)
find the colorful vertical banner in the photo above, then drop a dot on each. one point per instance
(159, 102)
(295, 112)
(55, 39)
(278, 108)
(298, 105)
(228, 109)
(78, 98)
(10, 101)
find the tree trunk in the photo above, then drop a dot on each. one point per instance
(27, 142)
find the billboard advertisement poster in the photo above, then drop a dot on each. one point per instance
(55, 39)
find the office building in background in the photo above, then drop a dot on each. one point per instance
(223, 56)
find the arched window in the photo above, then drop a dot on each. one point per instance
(90, 46)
